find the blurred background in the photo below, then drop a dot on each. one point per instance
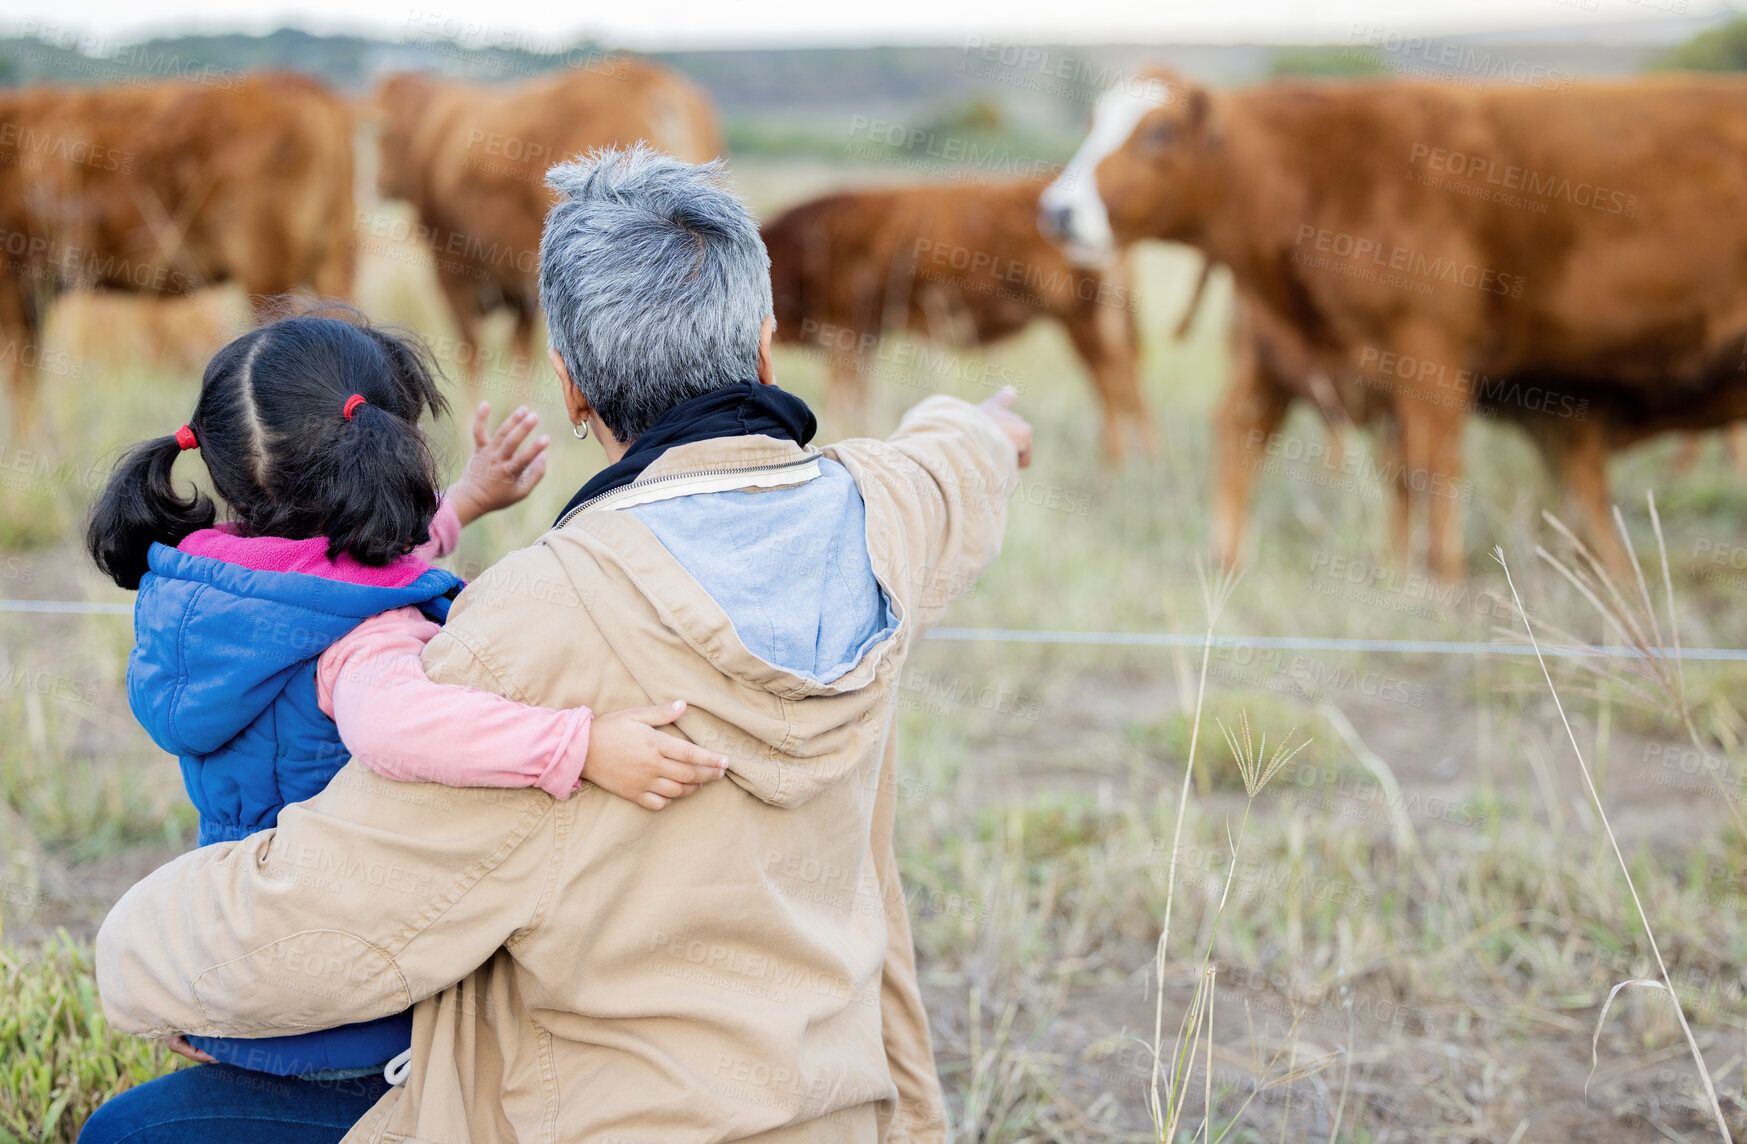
(1415, 935)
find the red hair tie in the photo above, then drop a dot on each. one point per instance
(185, 438)
(352, 404)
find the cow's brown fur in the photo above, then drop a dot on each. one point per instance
(473, 159)
(962, 264)
(1282, 183)
(165, 189)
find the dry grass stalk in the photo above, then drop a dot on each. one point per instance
(1648, 675)
(1258, 767)
(1215, 593)
(1601, 811)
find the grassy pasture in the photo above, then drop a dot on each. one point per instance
(1422, 922)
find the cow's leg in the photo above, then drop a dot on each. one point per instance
(20, 333)
(1431, 463)
(1582, 461)
(336, 266)
(1576, 455)
(522, 341)
(1399, 493)
(1103, 336)
(1252, 410)
(846, 393)
(1690, 446)
(1738, 446)
(465, 306)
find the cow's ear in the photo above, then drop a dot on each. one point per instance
(1201, 114)
(1196, 99)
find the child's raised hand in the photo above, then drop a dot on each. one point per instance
(504, 467)
(628, 757)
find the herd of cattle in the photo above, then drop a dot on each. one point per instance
(1402, 254)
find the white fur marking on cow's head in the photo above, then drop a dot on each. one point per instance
(1071, 210)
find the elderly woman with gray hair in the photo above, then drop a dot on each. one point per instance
(736, 967)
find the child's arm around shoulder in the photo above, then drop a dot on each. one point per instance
(401, 725)
(445, 532)
(398, 723)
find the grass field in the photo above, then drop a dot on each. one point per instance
(1423, 920)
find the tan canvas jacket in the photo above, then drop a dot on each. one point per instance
(587, 970)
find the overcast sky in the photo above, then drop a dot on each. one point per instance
(731, 23)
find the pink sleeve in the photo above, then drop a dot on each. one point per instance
(445, 532)
(398, 723)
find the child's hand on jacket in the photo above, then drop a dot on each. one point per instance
(628, 757)
(500, 472)
(179, 1045)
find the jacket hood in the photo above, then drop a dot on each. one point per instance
(215, 643)
(776, 593)
(788, 737)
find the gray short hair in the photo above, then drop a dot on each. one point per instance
(654, 280)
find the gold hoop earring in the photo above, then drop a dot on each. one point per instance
(580, 432)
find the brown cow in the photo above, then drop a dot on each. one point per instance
(164, 189)
(1487, 236)
(960, 263)
(472, 160)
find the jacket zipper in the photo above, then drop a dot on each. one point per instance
(686, 476)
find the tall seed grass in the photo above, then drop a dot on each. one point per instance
(1645, 635)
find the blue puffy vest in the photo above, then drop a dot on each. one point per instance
(223, 675)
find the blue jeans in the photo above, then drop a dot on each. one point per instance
(219, 1104)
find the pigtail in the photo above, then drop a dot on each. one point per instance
(381, 490)
(140, 506)
(385, 474)
(309, 427)
(413, 369)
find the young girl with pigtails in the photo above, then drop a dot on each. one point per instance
(275, 645)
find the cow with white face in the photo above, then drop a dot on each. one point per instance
(1135, 175)
(1380, 274)
(1150, 168)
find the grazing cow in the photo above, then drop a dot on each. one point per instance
(960, 263)
(1490, 238)
(164, 189)
(472, 161)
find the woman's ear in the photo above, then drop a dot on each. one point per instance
(575, 404)
(766, 367)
